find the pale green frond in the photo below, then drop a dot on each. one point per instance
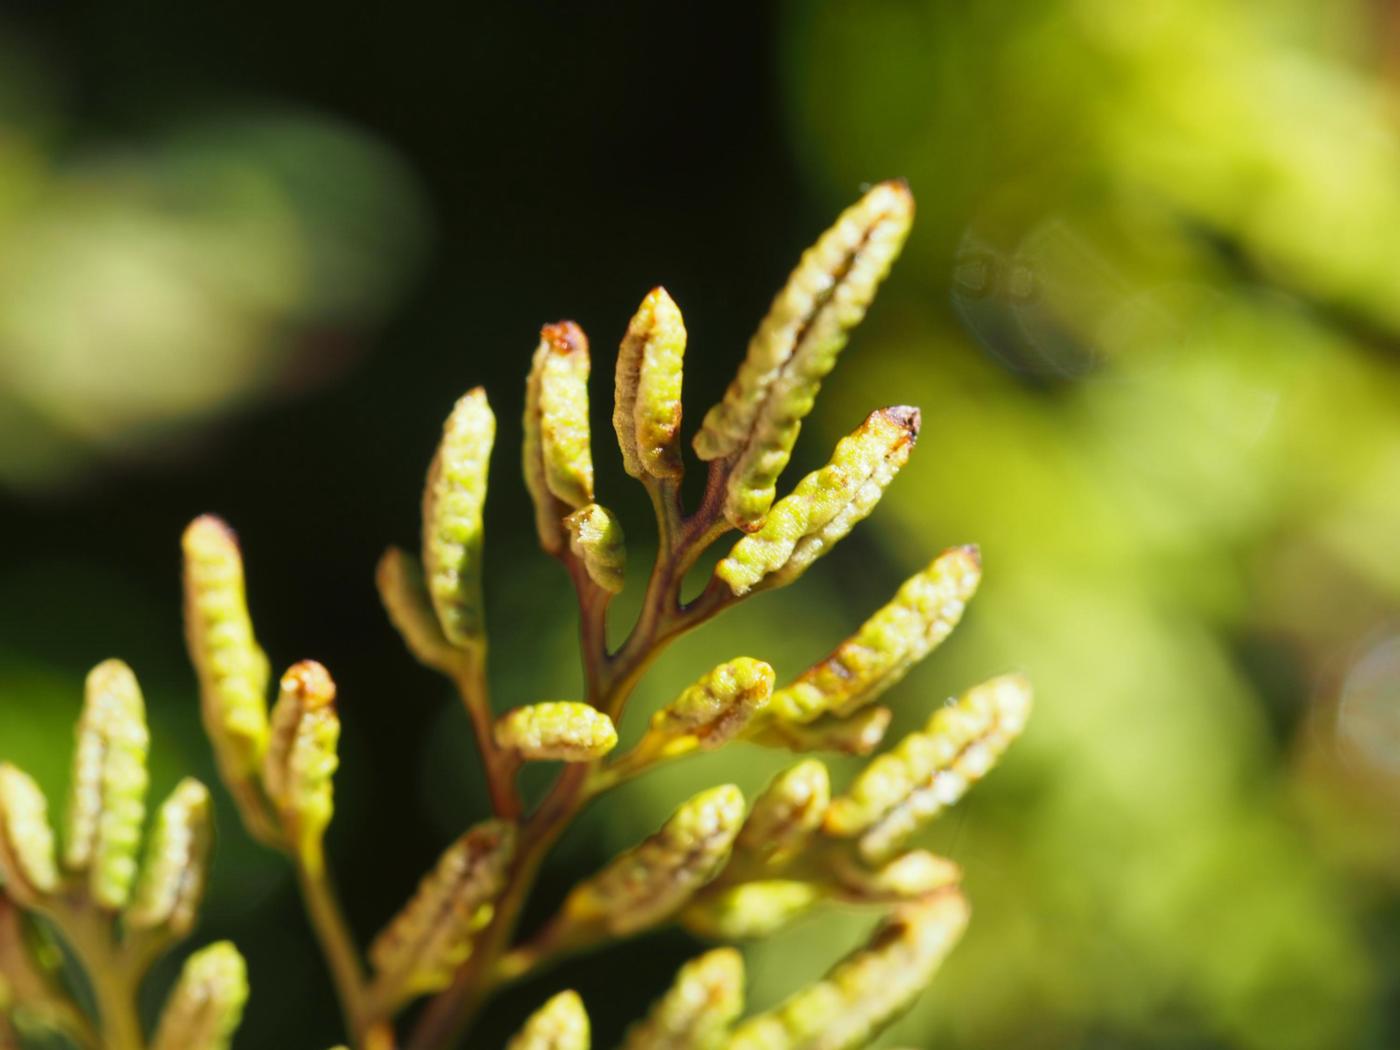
(453, 498)
(651, 881)
(866, 991)
(233, 671)
(560, 1024)
(107, 800)
(928, 771)
(647, 405)
(595, 538)
(172, 880)
(564, 730)
(206, 1005)
(697, 1010)
(825, 505)
(425, 943)
(298, 773)
(756, 424)
(921, 615)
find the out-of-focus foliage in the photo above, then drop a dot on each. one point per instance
(1151, 314)
(151, 285)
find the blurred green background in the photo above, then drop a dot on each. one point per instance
(1150, 309)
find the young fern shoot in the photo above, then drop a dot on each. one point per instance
(722, 868)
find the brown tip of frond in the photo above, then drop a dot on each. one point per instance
(907, 417)
(564, 337)
(311, 683)
(388, 562)
(973, 552)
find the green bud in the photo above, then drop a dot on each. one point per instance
(560, 1024)
(107, 802)
(595, 537)
(652, 880)
(452, 502)
(206, 1006)
(233, 672)
(909, 876)
(301, 757)
(930, 770)
(715, 709)
(563, 730)
(751, 910)
(404, 593)
(787, 813)
(558, 455)
(647, 406)
(422, 947)
(171, 885)
(923, 613)
(859, 734)
(825, 505)
(866, 991)
(706, 997)
(756, 424)
(27, 867)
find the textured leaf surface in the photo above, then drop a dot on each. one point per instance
(560, 1024)
(718, 707)
(647, 405)
(171, 885)
(301, 756)
(930, 770)
(565, 730)
(27, 861)
(453, 499)
(404, 591)
(557, 450)
(595, 537)
(233, 671)
(206, 1006)
(696, 1012)
(422, 947)
(796, 345)
(922, 614)
(825, 505)
(867, 990)
(651, 881)
(107, 802)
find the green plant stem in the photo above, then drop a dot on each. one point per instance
(253, 806)
(448, 1014)
(343, 958)
(114, 982)
(469, 676)
(116, 1005)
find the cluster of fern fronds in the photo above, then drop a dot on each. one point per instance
(724, 868)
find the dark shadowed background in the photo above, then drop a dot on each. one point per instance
(249, 256)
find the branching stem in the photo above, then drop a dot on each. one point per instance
(469, 675)
(114, 984)
(610, 678)
(338, 946)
